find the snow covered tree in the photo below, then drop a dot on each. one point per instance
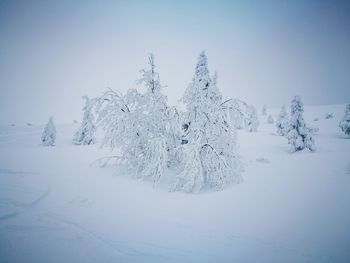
(86, 132)
(242, 115)
(345, 122)
(48, 137)
(210, 149)
(252, 121)
(299, 135)
(163, 131)
(141, 125)
(264, 110)
(270, 119)
(237, 113)
(282, 122)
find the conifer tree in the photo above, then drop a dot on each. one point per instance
(210, 150)
(345, 122)
(86, 133)
(252, 122)
(299, 135)
(270, 119)
(48, 137)
(282, 122)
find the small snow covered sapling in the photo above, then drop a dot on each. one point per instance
(282, 122)
(345, 122)
(264, 110)
(86, 133)
(48, 137)
(329, 115)
(299, 135)
(270, 119)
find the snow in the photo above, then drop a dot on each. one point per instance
(57, 205)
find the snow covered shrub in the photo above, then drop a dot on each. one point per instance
(299, 135)
(242, 115)
(345, 122)
(210, 138)
(313, 130)
(329, 115)
(48, 137)
(142, 126)
(270, 119)
(282, 122)
(263, 110)
(86, 132)
(237, 113)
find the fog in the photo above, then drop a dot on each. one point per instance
(54, 52)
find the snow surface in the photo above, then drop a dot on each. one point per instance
(58, 205)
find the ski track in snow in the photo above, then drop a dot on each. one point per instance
(25, 204)
(8, 216)
(114, 244)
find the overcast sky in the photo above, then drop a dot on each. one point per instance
(54, 52)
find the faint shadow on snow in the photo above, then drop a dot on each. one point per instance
(340, 136)
(6, 171)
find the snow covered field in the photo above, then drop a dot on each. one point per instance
(57, 205)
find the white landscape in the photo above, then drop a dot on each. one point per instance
(174, 131)
(57, 205)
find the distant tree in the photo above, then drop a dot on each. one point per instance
(264, 110)
(270, 119)
(86, 133)
(48, 137)
(210, 138)
(282, 122)
(345, 122)
(252, 121)
(299, 135)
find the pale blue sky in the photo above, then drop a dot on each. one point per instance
(54, 52)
